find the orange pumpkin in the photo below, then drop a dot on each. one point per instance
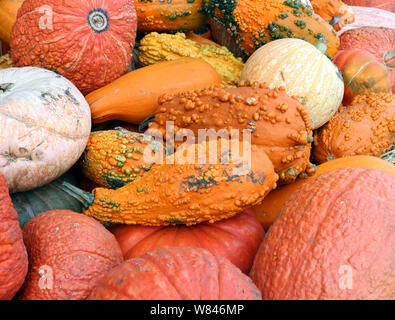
(8, 13)
(267, 212)
(361, 73)
(334, 239)
(335, 12)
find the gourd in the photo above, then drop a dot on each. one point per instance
(380, 4)
(362, 74)
(113, 158)
(270, 207)
(366, 127)
(8, 13)
(236, 238)
(44, 126)
(13, 261)
(91, 46)
(336, 12)
(5, 62)
(276, 123)
(184, 190)
(156, 47)
(68, 253)
(332, 240)
(174, 15)
(124, 99)
(176, 273)
(246, 25)
(304, 72)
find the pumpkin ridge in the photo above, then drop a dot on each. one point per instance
(357, 73)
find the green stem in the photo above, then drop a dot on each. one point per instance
(321, 45)
(82, 196)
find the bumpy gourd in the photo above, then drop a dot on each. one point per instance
(253, 23)
(113, 158)
(184, 193)
(279, 124)
(337, 13)
(366, 127)
(156, 47)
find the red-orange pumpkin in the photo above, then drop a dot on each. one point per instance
(88, 42)
(13, 256)
(334, 239)
(361, 73)
(236, 239)
(381, 4)
(68, 253)
(176, 273)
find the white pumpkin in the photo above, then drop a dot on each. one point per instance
(305, 73)
(44, 126)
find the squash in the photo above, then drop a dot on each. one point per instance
(13, 255)
(332, 240)
(201, 39)
(304, 72)
(362, 73)
(277, 123)
(44, 126)
(185, 190)
(246, 25)
(174, 15)
(270, 207)
(366, 127)
(156, 47)
(31, 203)
(380, 42)
(134, 96)
(176, 273)
(380, 4)
(68, 253)
(336, 12)
(236, 239)
(8, 13)
(113, 158)
(5, 62)
(91, 46)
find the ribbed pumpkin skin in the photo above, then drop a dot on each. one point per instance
(13, 255)
(304, 72)
(236, 238)
(90, 42)
(380, 4)
(176, 273)
(336, 227)
(380, 42)
(269, 209)
(78, 250)
(8, 13)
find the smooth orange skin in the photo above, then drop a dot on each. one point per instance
(267, 212)
(380, 4)
(176, 273)
(134, 96)
(77, 248)
(236, 238)
(13, 255)
(361, 73)
(338, 226)
(8, 13)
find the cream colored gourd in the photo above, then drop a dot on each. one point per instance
(44, 126)
(305, 73)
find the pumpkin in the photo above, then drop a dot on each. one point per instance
(31, 203)
(270, 207)
(44, 126)
(176, 273)
(245, 25)
(304, 72)
(113, 158)
(175, 15)
(68, 253)
(362, 73)
(5, 62)
(380, 4)
(336, 12)
(380, 42)
(8, 13)
(185, 190)
(366, 127)
(155, 48)
(333, 239)
(126, 101)
(278, 124)
(201, 38)
(13, 255)
(91, 46)
(236, 238)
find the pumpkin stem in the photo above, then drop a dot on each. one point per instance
(98, 20)
(389, 59)
(82, 196)
(334, 20)
(321, 45)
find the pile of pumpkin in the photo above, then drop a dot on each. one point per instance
(85, 214)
